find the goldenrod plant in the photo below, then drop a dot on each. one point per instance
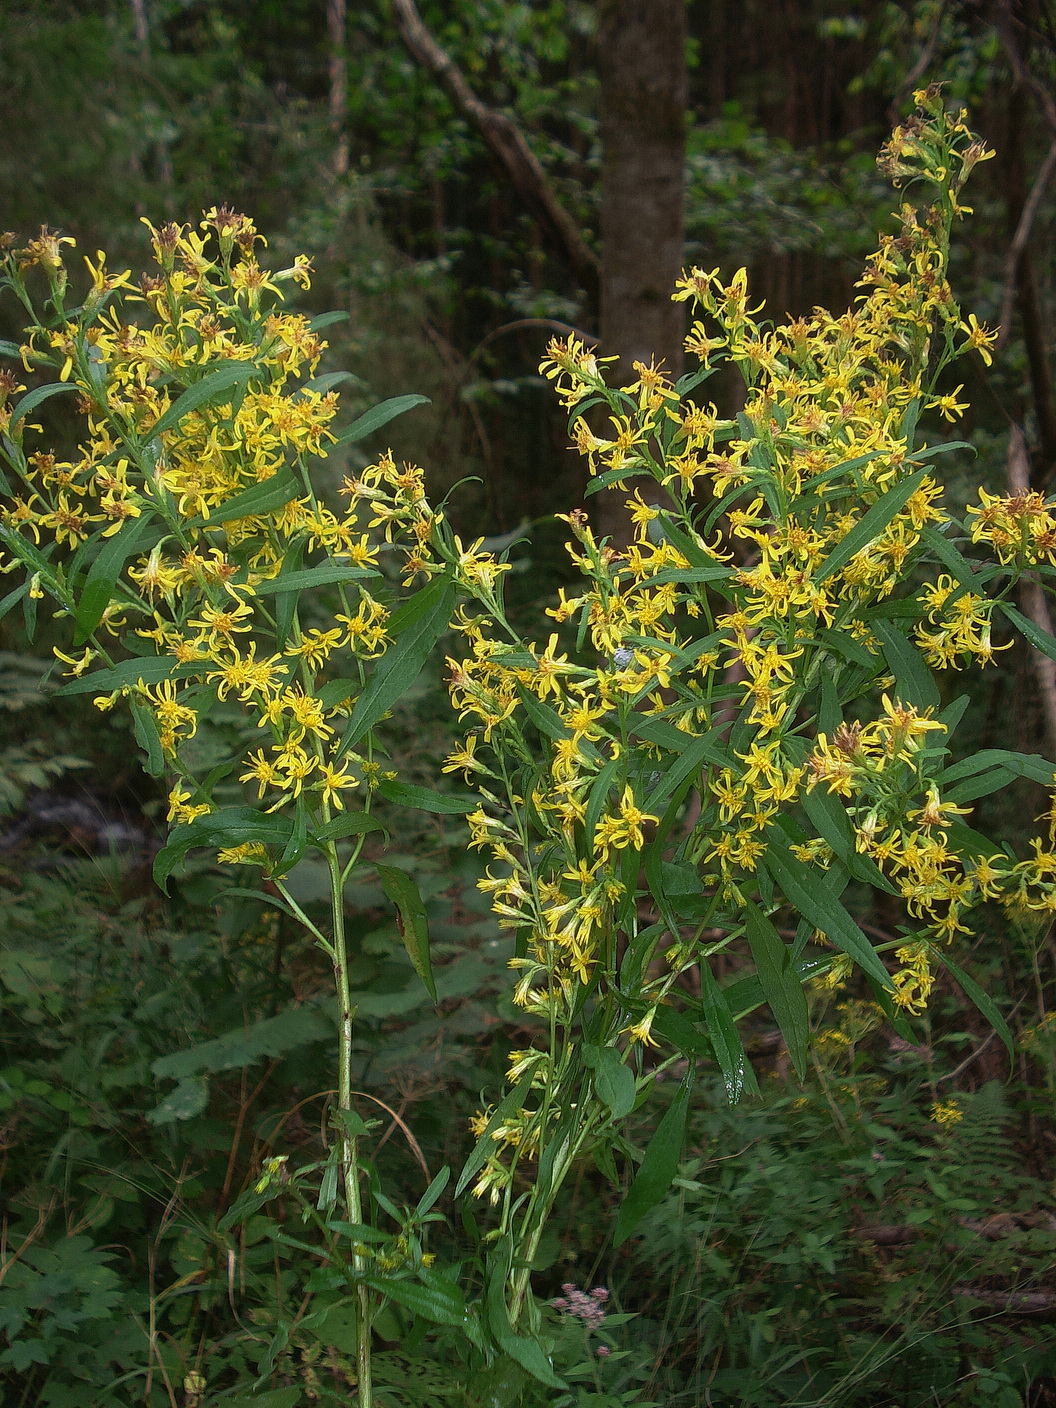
(734, 719)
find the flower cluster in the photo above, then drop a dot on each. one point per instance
(740, 689)
(212, 491)
(588, 1307)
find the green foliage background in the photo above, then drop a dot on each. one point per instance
(827, 1244)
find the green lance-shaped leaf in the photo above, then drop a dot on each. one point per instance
(528, 1353)
(273, 1036)
(342, 825)
(512, 1100)
(440, 1302)
(780, 982)
(377, 417)
(998, 767)
(982, 1000)
(418, 625)
(326, 320)
(211, 387)
(411, 917)
(145, 728)
(871, 525)
(323, 575)
(823, 910)
(660, 1165)
(255, 502)
(230, 826)
(424, 799)
(149, 668)
(104, 572)
(1039, 639)
(914, 682)
(188, 1099)
(433, 1192)
(737, 1074)
(37, 398)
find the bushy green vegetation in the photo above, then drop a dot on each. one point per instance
(207, 1189)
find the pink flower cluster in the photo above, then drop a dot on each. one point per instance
(583, 1305)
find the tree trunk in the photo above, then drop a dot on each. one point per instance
(642, 74)
(337, 37)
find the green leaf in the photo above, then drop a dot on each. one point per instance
(682, 1034)
(38, 397)
(379, 416)
(326, 320)
(1039, 639)
(189, 1099)
(433, 1192)
(441, 1302)
(274, 1036)
(321, 576)
(485, 1145)
(424, 799)
(821, 909)
(103, 574)
(528, 1353)
(830, 819)
(413, 924)
(737, 1074)
(982, 1000)
(402, 663)
(659, 1167)
(345, 824)
(780, 982)
(326, 381)
(614, 1081)
(255, 502)
(212, 386)
(149, 668)
(872, 524)
(914, 681)
(1031, 765)
(145, 727)
(8, 349)
(706, 749)
(229, 826)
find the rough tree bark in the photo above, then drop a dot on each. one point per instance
(642, 74)
(337, 38)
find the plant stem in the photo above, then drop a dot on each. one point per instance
(349, 1151)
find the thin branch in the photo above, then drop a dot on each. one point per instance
(1021, 239)
(919, 68)
(506, 142)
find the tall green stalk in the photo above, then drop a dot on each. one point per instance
(349, 1143)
